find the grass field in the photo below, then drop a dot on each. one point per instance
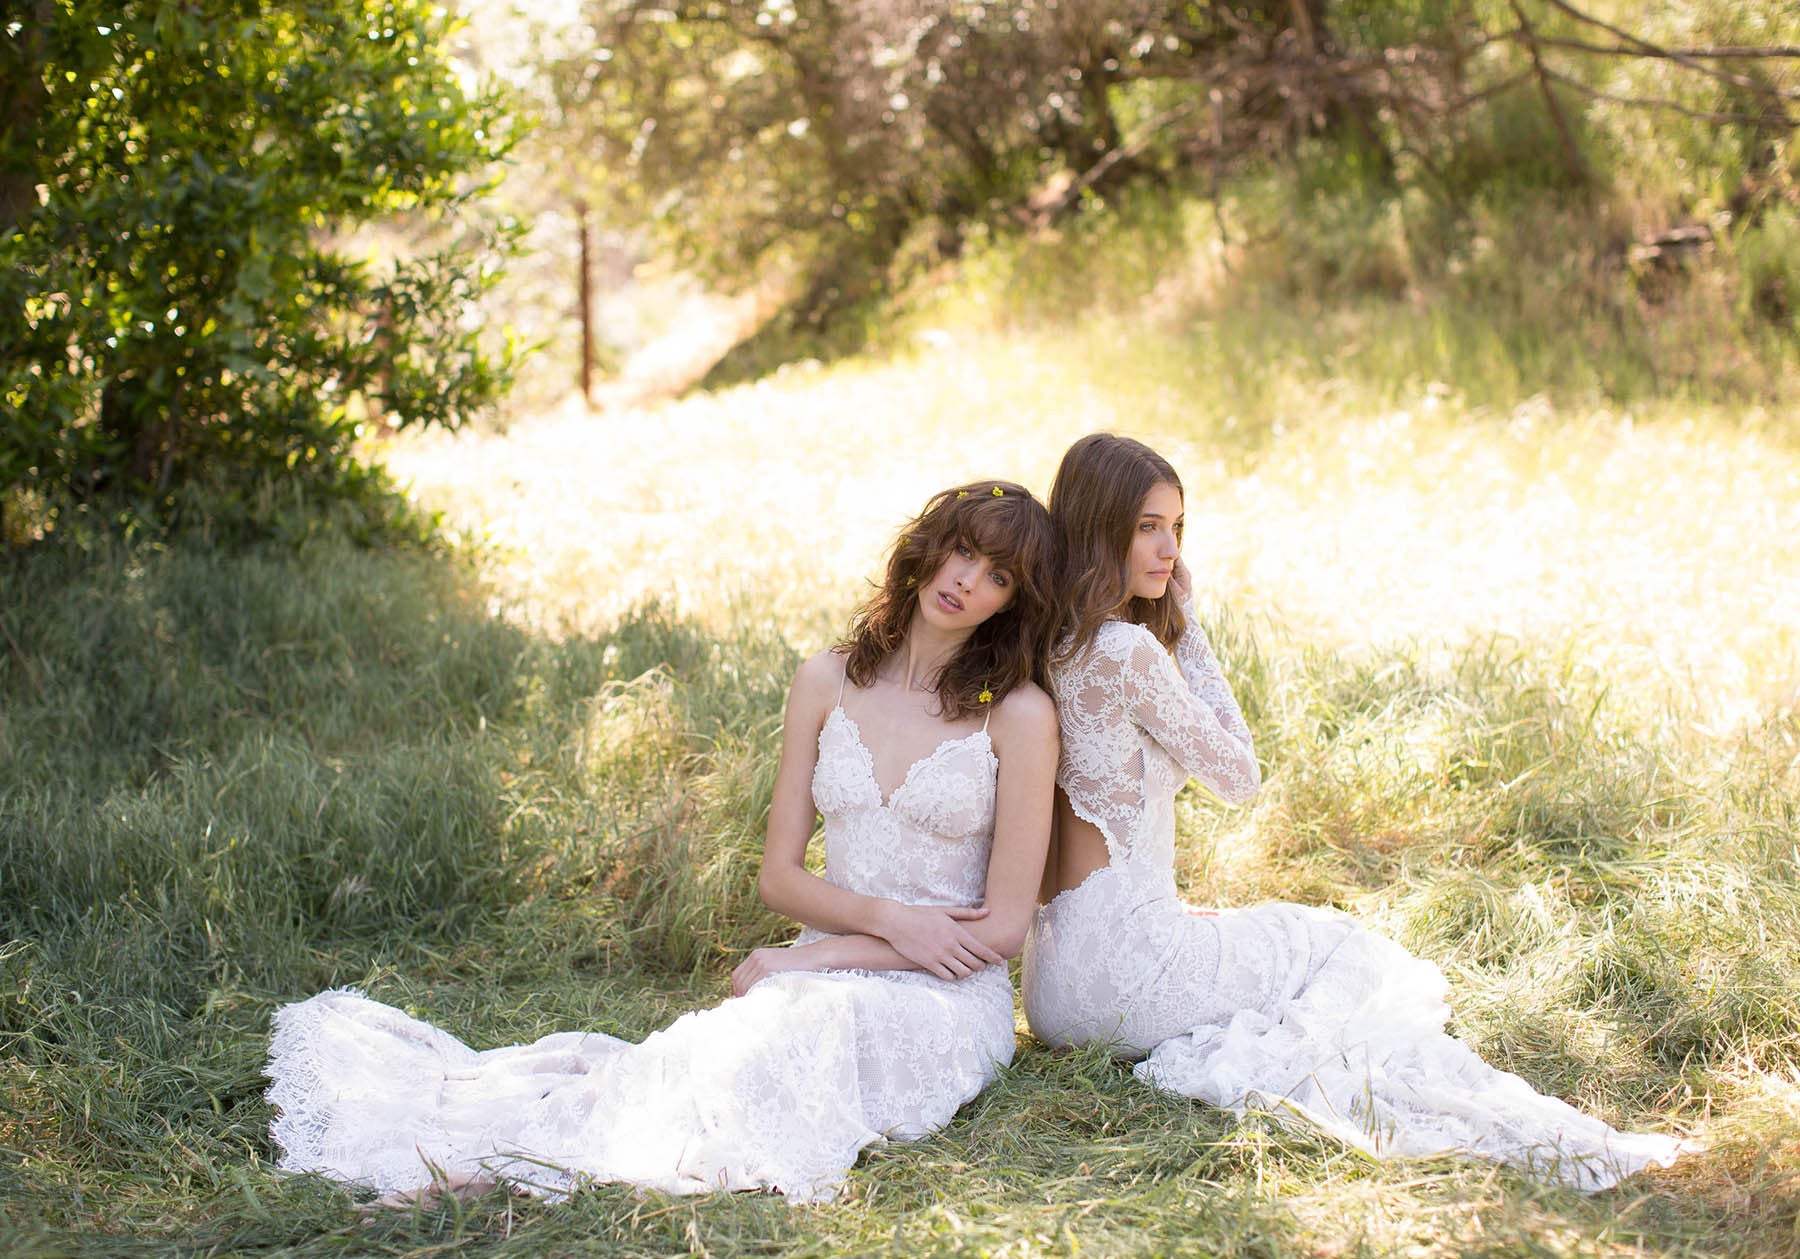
(1525, 676)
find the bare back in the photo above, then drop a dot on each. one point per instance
(1077, 849)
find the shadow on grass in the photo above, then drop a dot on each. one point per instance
(229, 778)
(232, 777)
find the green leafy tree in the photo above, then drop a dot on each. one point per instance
(823, 132)
(844, 139)
(181, 306)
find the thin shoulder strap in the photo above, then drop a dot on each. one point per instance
(988, 718)
(845, 678)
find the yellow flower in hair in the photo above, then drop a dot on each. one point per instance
(962, 493)
(999, 493)
(911, 580)
(986, 696)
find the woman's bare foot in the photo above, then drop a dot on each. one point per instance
(461, 1186)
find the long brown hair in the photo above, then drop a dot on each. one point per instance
(1095, 502)
(1006, 524)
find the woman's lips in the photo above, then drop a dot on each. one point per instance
(949, 602)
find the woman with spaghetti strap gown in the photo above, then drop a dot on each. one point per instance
(1283, 1008)
(929, 751)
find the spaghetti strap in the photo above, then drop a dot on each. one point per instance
(843, 679)
(988, 718)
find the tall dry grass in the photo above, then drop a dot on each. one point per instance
(1523, 673)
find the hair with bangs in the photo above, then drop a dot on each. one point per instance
(1095, 503)
(1003, 522)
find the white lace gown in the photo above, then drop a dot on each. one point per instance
(779, 1088)
(1280, 1008)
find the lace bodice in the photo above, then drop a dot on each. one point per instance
(929, 843)
(1136, 724)
(780, 1087)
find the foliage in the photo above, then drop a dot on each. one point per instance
(820, 133)
(181, 308)
(842, 145)
(1768, 254)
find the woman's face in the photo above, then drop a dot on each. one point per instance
(1155, 543)
(966, 590)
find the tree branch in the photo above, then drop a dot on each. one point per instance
(1493, 89)
(1649, 102)
(1656, 50)
(1572, 158)
(1123, 152)
(1748, 52)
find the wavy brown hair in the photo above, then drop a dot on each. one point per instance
(1095, 502)
(1006, 524)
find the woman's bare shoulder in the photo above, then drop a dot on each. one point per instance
(819, 676)
(1027, 712)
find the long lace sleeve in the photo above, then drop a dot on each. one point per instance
(1186, 720)
(1206, 681)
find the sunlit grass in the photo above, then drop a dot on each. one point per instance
(1523, 675)
(1661, 546)
(1527, 682)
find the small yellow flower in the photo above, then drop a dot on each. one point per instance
(999, 493)
(911, 580)
(962, 493)
(986, 696)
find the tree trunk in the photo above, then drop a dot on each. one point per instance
(128, 461)
(22, 99)
(1573, 162)
(585, 289)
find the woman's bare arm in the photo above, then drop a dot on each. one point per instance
(935, 938)
(1024, 734)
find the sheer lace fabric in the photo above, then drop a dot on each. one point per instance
(1286, 1009)
(779, 1088)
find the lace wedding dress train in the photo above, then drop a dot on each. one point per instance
(1281, 1008)
(779, 1088)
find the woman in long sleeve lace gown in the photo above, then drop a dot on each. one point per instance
(1288, 1009)
(929, 752)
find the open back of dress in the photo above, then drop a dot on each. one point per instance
(1291, 1010)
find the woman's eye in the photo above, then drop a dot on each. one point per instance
(962, 549)
(1000, 579)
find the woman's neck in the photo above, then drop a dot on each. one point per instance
(922, 654)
